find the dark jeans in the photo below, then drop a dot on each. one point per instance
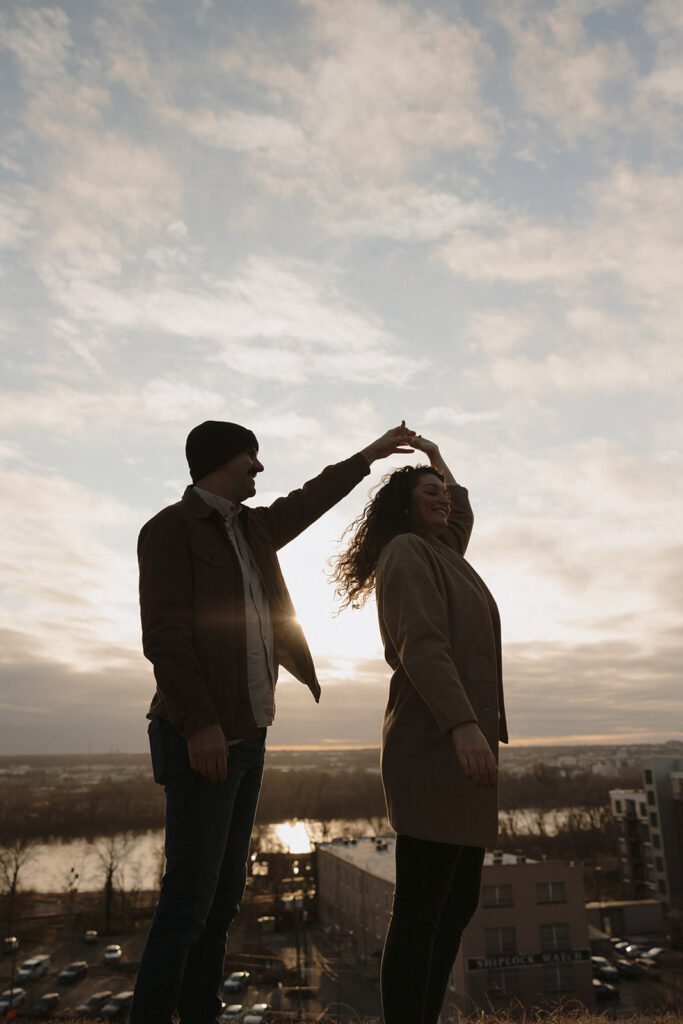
(208, 829)
(437, 892)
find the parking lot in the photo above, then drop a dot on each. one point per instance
(99, 976)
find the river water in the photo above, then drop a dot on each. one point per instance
(53, 867)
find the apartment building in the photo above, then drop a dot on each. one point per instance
(528, 941)
(651, 840)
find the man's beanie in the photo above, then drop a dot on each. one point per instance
(213, 443)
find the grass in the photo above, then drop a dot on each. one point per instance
(525, 1016)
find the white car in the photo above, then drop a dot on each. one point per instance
(112, 954)
(12, 997)
(236, 981)
(256, 1014)
(36, 967)
(232, 1012)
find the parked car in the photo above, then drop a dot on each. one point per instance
(117, 1006)
(662, 955)
(627, 968)
(12, 997)
(603, 990)
(620, 944)
(90, 936)
(112, 953)
(648, 964)
(256, 1014)
(35, 967)
(232, 1012)
(93, 1003)
(78, 969)
(10, 944)
(604, 969)
(48, 1003)
(237, 981)
(634, 951)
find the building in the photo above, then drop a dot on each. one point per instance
(651, 841)
(528, 941)
(629, 808)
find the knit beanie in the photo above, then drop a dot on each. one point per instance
(214, 443)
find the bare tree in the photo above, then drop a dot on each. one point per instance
(14, 855)
(112, 852)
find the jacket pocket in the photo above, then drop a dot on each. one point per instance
(168, 750)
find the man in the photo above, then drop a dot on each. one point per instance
(217, 621)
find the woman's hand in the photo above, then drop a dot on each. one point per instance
(396, 441)
(474, 754)
(431, 450)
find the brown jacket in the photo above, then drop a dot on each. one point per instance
(192, 601)
(441, 633)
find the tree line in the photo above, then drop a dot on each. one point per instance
(109, 807)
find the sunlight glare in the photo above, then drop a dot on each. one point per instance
(294, 836)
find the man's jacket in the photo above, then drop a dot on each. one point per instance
(192, 601)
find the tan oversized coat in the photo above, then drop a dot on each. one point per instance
(441, 633)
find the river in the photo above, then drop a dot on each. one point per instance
(52, 867)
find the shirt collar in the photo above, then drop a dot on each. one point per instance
(227, 508)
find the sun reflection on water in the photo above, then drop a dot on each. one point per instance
(294, 836)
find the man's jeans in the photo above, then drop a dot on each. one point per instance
(208, 829)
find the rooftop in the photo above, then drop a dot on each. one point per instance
(376, 855)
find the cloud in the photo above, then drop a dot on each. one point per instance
(423, 95)
(67, 559)
(563, 77)
(40, 40)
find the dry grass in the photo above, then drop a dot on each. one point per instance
(525, 1016)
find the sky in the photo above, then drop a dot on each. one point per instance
(317, 218)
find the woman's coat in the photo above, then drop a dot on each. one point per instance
(441, 632)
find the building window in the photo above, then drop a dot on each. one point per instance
(653, 820)
(376, 896)
(557, 977)
(651, 798)
(378, 931)
(497, 896)
(554, 936)
(551, 892)
(656, 841)
(500, 940)
(662, 886)
(617, 806)
(659, 864)
(643, 811)
(387, 902)
(648, 777)
(502, 983)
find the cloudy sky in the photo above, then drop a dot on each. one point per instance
(317, 217)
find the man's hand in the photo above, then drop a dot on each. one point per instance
(395, 442)
(474, 754)
(208, 751)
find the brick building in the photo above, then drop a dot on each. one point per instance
(528, 940)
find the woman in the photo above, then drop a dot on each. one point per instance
(441, 632)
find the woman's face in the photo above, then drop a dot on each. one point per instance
(430, 504)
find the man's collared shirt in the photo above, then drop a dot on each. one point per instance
(257, 620)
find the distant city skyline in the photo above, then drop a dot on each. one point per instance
(318, 219)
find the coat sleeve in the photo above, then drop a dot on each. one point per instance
(287, 517)
(413, 616)
(166, 614)
(460, 520)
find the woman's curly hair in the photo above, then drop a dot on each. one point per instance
(385, 516)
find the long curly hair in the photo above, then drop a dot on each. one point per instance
(386, 515)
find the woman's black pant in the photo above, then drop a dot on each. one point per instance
(437, 892)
